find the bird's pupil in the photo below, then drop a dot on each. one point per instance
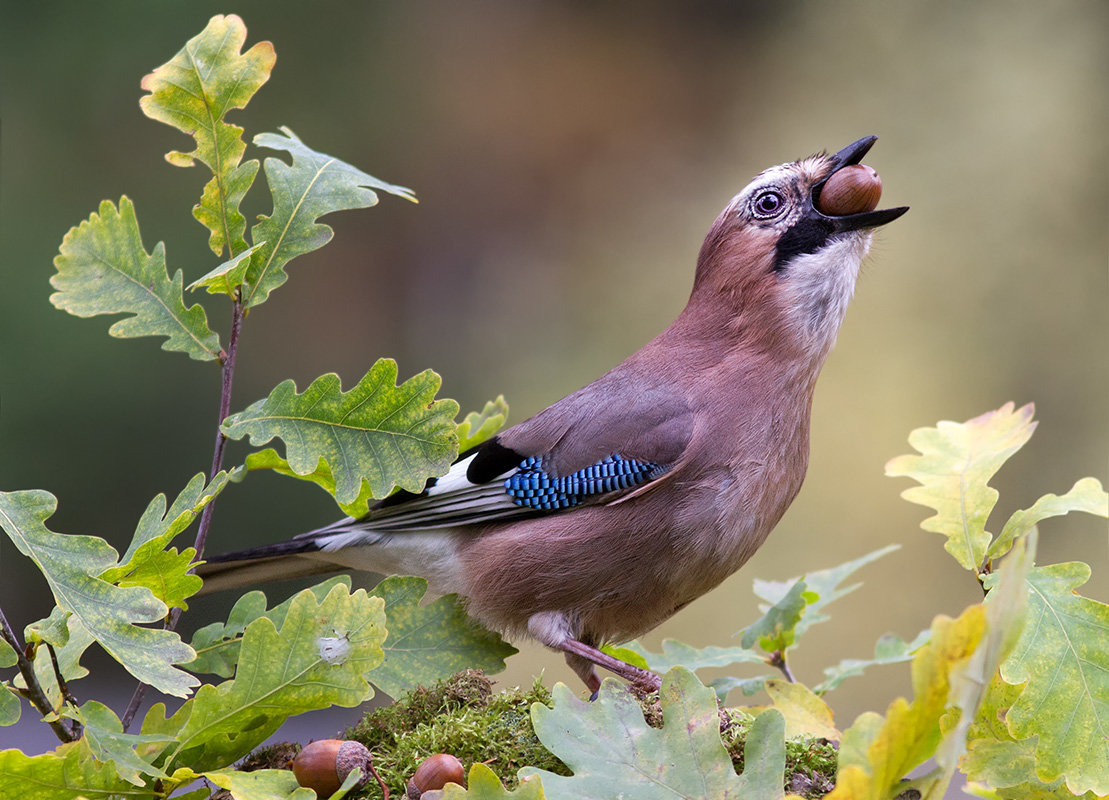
(768, 203)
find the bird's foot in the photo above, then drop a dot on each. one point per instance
(582, 657)
(647, 682)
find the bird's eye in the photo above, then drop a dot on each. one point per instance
(768, 204)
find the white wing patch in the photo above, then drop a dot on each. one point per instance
(451, 501)
(455, 480)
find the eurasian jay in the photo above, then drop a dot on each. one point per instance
(599, 517)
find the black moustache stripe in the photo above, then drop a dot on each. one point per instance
(808, 235)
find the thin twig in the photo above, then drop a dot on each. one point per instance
(227, 377)
(34, 692)
(64, 687)
(133, 706)
(778, 659)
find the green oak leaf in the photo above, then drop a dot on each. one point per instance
(955, 464)
(748, 686)
(483, 784)
(607, 743)
(53, 629)
(825, 583)
(103, 733)
(998, 764)
(261, 784)
(478, 426)
(159, 525)
(167, 574)
(1063, 657)
(795, 610)
(8, 656)
(764, 757)
(889, 649)
(183, 777)
(321, 476)
(776, 629)
(627, 654)
(217, 644)
(317, 656)
(675, 653)
(70, 771)
(679, 654)
(71, 565)
(314, 184)
(377, 433)
(228, 276)
(103, 268)
(10, 707)
(144, 557)
(193, 92)
(1086, 495)
(77, 641)
(429, 643)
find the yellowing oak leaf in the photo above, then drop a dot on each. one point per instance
(805, 713)
(881, 753)
(193, 92)
(1086, 495)
(955, 463)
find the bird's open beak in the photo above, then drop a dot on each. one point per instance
(853, 154)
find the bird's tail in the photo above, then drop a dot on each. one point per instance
(267, 563)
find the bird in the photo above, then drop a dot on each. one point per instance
(601, 516)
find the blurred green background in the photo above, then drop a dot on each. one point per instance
(568, 158)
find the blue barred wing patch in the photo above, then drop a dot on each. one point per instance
(531, 487)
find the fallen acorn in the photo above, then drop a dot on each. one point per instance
(324, 764)
(435, 772)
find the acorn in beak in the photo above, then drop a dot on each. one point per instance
(845, 200)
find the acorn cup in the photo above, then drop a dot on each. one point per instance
(855, 189)
(434, 773)
(324, 764)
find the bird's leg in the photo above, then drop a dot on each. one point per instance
(553, 629)
(644, 679)
(585, 670)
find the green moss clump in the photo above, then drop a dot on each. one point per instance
(810, 766)
(274, 756)
(461, 716)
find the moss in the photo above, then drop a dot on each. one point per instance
(461, 716)
(274, 756)
(810, 766)
(465, 717)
